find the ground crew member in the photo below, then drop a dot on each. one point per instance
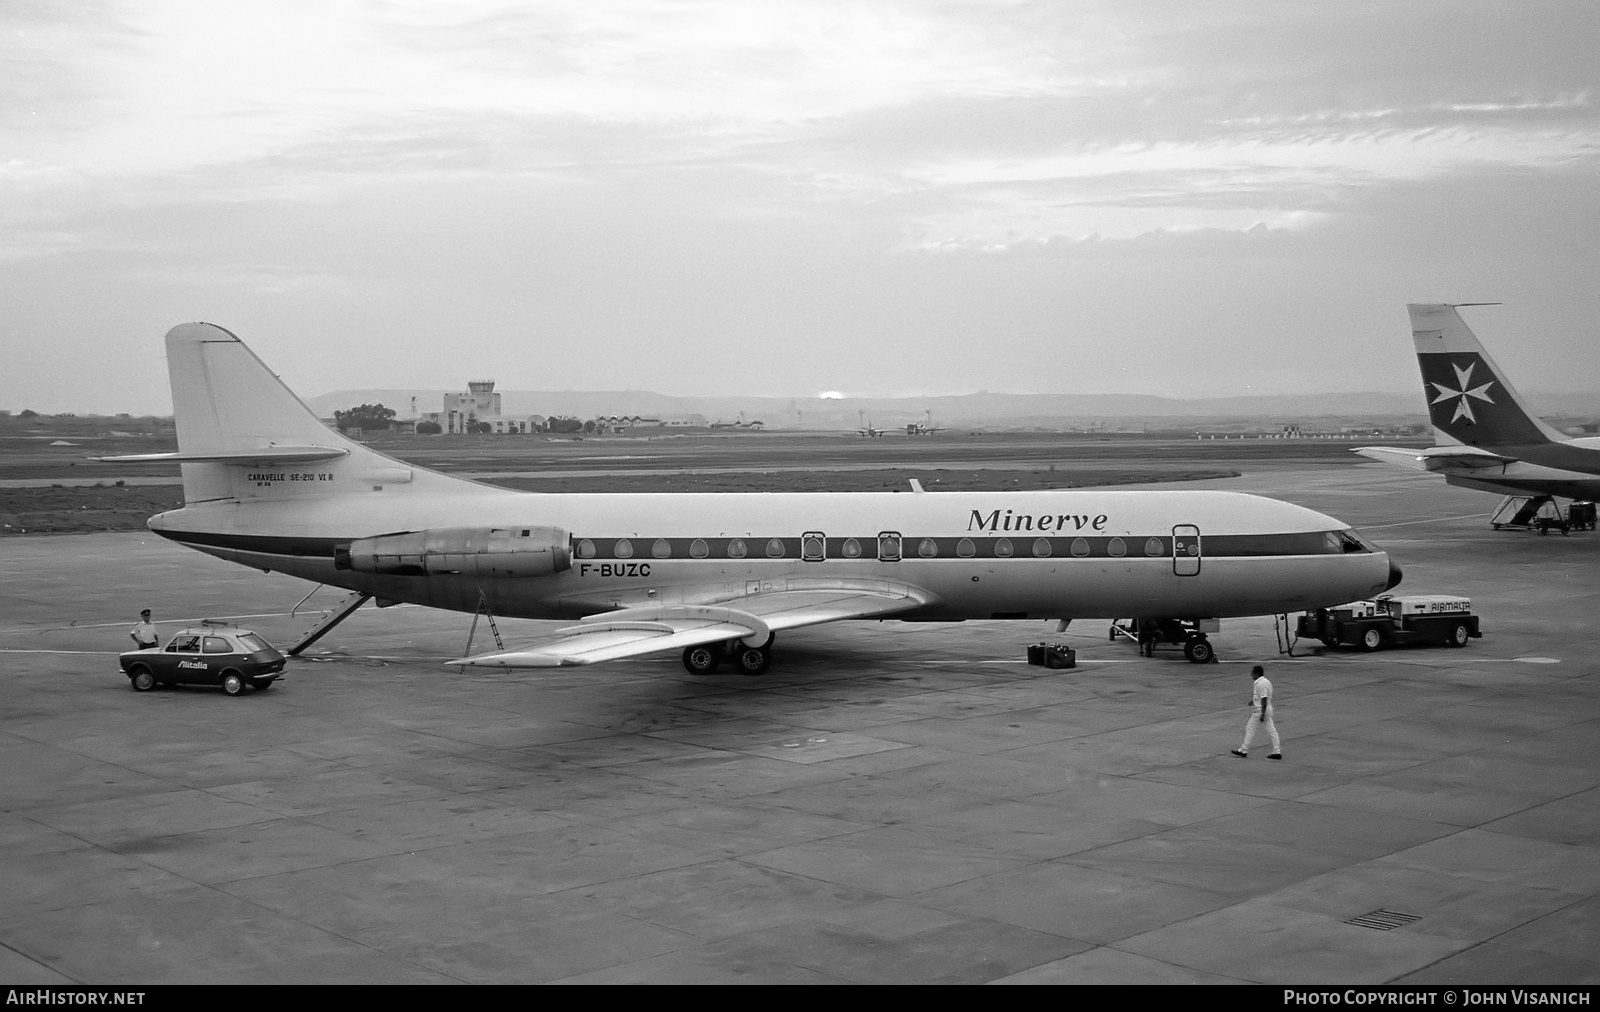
(145, 633)
(1260, 713)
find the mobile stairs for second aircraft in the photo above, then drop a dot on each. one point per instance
(1541, 513)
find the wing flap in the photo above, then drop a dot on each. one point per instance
(792, 609)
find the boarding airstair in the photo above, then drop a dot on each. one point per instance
(341, 612)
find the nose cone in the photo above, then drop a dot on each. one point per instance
(1396, 574)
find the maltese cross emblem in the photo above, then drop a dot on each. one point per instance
(1465, 392)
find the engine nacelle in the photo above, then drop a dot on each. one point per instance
(485, 552)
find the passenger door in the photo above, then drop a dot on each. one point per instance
(1186, 550)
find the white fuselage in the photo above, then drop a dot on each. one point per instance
(1059, 554)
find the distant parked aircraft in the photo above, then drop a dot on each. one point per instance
(267, 485)
(1486, 436)
(923, 428)
(866, 429)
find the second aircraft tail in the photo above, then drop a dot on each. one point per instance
(1469, 400)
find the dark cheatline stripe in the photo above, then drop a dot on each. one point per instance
(265, 544)
(912, 547)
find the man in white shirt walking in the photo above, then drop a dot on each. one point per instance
(1260, 713)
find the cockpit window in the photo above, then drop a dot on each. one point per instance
(1348, 541)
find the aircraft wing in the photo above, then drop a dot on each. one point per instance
(1436, 458)
(631, 632)
(620, 636)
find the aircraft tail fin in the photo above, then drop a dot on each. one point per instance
(244, 435)
(1469, 399)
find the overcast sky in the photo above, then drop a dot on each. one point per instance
(1187, 199)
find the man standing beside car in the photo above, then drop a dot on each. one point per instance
(145, 633)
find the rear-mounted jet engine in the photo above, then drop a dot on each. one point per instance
(491, 552)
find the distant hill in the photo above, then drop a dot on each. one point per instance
(966, 411)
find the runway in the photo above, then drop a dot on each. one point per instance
(891, 803)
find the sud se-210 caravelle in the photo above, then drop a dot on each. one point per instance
(268, 485)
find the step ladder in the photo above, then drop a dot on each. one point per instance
(483, 610)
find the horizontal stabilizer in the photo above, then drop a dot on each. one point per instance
(1394, 455)
(1436, 458)
(263, 455)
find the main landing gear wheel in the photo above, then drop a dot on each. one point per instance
(751, 660)
(1371, 640)
(1199, 651)
(143, 680)
(232, 684)
(701, 660)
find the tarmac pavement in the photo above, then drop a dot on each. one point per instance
(890, 803)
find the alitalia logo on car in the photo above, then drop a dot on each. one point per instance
(200, 665)
(1006, 520)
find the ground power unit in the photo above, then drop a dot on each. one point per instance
(1393, 621)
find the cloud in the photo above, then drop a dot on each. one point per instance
(753, 194)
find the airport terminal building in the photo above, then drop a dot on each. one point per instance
(479, 405)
